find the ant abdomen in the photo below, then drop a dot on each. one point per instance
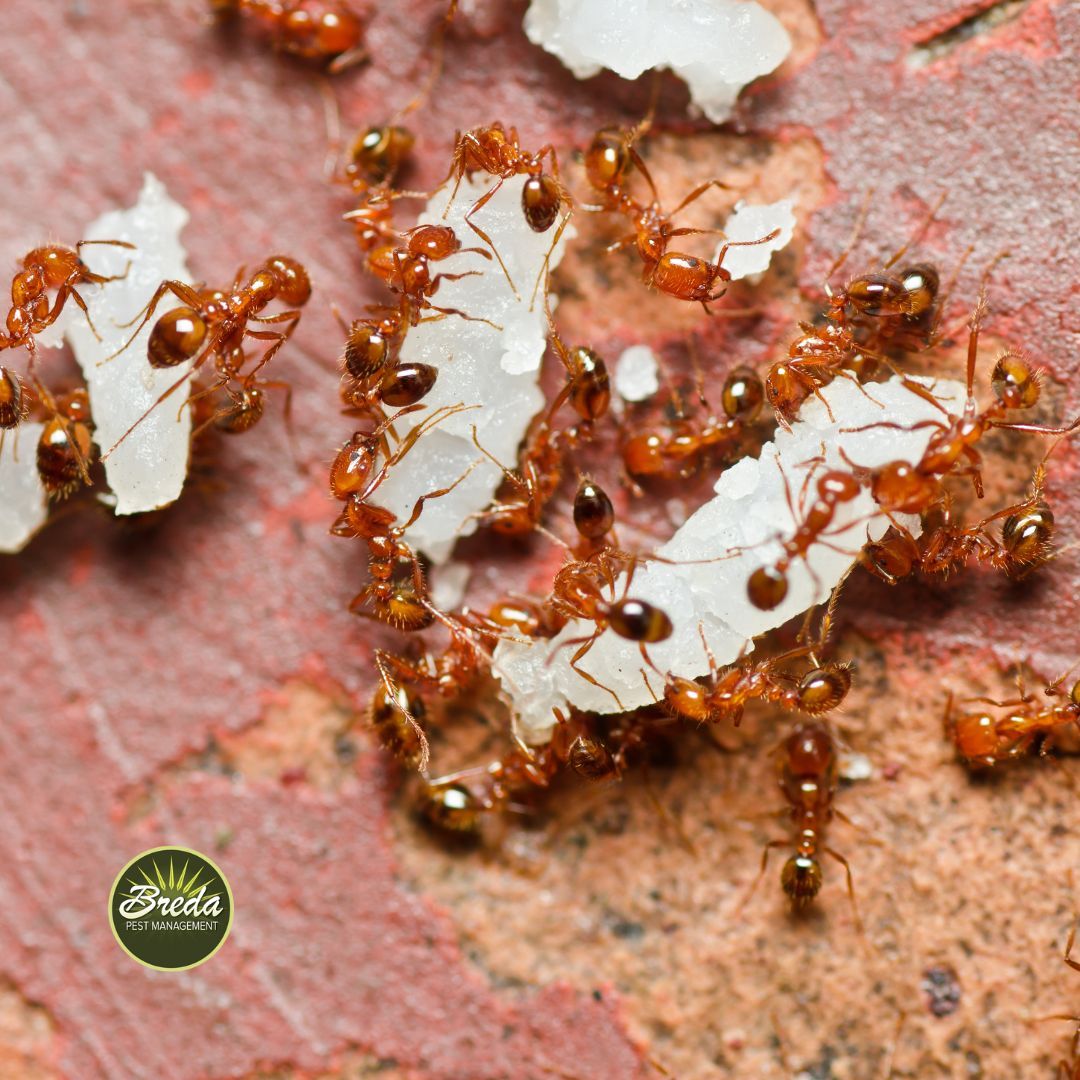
(801, 879)
(591, 759)
(450, 807)
(242, 413)
(377, 153)
(407, 384)
(638, 620)
(62, 452)
(367, 350)
(176, 337)
(1014, 381)
(594, 516)
(14, 405)
(389, 718)
(541, 201)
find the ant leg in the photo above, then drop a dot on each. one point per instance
(62, 295)
(100, 279)
(696, 194)
(479, 205)
(418, 507)
(392, 695)
(544, 266)
(850, 887)
(919, 233)
(761, 873)
(744, 243)
(179, 382)
(183, 292)
(585, 644)
(445, 311)
(640, 165)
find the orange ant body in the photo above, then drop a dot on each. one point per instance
(983, 740)
(45, 269)
(723, 694)
(768, 585)
(311, 29)
(608, 163)
(577, 593)
(676, 450)
(808, 775)
(213, 323)
(497, 150)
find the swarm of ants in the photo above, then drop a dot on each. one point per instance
(874, 322)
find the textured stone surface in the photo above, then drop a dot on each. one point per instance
(185, 680)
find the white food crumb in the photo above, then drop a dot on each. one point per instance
(855, 766)
(715, 46)
(25, 503)
(747, 517)
(495, 369)
(752, 223)
(147, 470)
(636, 373)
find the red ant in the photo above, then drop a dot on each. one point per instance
(723, 695)
(311, 29)
(674, 451)
(901, 487)
(767, 586)
(608, 162)
(1026, 542)
(898, 309)
(496, 150)
(577, 593)
(212, 323)
(807, 772)
(983, 740)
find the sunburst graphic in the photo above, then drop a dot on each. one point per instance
(171, 887)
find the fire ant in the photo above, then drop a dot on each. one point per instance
(311, 29)
(608, 162)
(577, 593)
(871, 313)
(212, 323)
(536, 480)
(767, 586)
(44, 269)
(674, 451)
(983, 741)
(807, 772)
(497, 150)
(901, 487)
(723, 695)
(1026, 542)
(587, 387)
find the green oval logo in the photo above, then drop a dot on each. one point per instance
(170, 908)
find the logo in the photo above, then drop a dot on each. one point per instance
(170, 908)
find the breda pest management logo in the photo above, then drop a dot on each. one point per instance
(170, 908)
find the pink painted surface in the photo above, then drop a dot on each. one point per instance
(129, 650)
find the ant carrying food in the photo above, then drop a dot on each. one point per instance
(675, 450)
(216, 324)
(983, 740)
(497, 150)
(320, 30)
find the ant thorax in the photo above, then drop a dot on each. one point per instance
(702, 580)
(488, 361)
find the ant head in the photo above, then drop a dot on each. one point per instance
(767, 587)
(57, 264)
(837, 486)
(686, 698)
(1014, 381)
(293, 283)
(801, 879)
